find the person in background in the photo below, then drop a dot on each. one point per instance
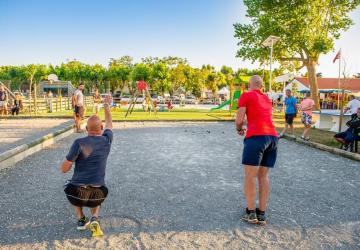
(148, 104)
(97, 101)
(353, 105)
(290, 112)
(352, 133)
(307, 106)
(155, 106)
(144, 107)
(78, 104)
(17, 105)
(3, 101)
(169, 105)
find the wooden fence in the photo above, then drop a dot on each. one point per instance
(53, 104)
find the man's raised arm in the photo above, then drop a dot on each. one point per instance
(108, 118)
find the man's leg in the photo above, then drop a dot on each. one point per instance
(251, 173)
(264, 187)
(77, 122)
(95, 223)
(79, 212)
(285, 129)
(292, 129)
(95, 211)
(250, 193)
(306, 130)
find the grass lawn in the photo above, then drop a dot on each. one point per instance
(139, 115)
(316, 135)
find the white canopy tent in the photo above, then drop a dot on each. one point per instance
(224, 91)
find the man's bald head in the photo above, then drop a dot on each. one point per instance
(94, 125)
(256, 82)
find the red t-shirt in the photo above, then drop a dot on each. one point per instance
(258, 112)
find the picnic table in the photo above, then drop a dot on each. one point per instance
(330, 119)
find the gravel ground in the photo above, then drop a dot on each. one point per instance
(179, 186)
(15, 132)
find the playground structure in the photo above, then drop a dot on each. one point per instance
(11, 95)
(142, 87)
(232, 102)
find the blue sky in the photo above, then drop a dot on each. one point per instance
(39, 31)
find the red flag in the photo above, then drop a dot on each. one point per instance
(337, 56)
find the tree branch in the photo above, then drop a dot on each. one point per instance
(293, 59)
(302, 66)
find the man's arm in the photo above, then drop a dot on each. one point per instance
(70, 157)
(295, 105)
(240, 119)
(66, 166)
(108, 118)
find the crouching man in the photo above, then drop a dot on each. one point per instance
(87, 185)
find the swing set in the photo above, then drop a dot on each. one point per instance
(142, 87)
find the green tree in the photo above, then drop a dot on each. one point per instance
(177, 77)
(41, 73)
(126, 61)
(306, 29)
(98, 75)
(228, 73)
(13, 76)
(160, 78)
(30, 72)
(119, 75)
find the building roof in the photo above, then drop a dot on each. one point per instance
(352, 84)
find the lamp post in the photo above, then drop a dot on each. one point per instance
(269, 42)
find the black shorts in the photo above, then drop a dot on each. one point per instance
(260, 151)
(85, 196)
(79, 111)
(289, 118)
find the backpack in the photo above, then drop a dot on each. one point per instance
(73, 96)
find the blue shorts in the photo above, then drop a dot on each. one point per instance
(260, 151)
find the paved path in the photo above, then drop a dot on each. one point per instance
(179, 186)
(15, 132)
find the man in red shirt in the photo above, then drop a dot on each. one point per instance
(260, 147)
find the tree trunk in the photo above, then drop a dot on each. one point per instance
(311, 67)
(30, 99)
(35, 98)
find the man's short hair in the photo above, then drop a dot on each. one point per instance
(307, 94)
(81, 84)
(289, 90)
(352, 96)
(257, 80)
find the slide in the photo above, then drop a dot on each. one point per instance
(221, 105)
(235, 98)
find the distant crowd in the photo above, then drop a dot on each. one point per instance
(346, 138)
